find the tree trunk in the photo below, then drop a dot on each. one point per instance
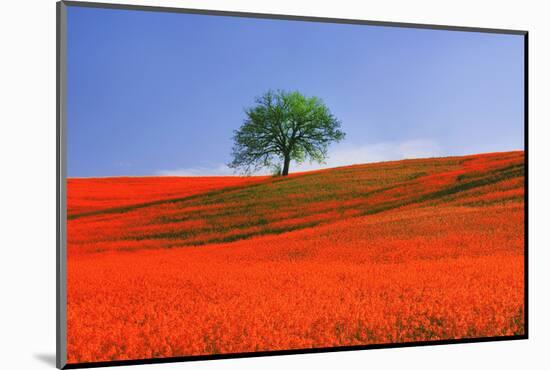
(286, 165)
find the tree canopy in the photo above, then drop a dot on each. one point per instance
(281, 127)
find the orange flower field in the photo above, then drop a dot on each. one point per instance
(391, 252)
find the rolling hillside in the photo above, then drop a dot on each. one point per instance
(198, 215)
(411, 250)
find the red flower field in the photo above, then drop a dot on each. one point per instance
(391, 252)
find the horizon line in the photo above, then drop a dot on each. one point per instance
(290, 174)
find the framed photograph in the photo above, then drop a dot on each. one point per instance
(235, 184)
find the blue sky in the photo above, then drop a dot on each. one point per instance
(161, 93)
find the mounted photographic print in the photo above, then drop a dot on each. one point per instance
(235, 184)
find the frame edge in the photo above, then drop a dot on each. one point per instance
(61, 214)
(526, 184)
(288, 17)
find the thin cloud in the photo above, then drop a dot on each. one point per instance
(218, 170)
(342, 155)
(345, 155)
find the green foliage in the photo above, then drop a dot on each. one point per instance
(281, 127)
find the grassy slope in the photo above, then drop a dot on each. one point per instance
(402, 251)
(87, 196)
(278, 205)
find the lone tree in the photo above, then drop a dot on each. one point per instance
(281, 127)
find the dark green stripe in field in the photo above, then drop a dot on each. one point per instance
(345, 181)
(489, 178)
(286, 204)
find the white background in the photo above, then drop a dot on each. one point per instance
(27, 182)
